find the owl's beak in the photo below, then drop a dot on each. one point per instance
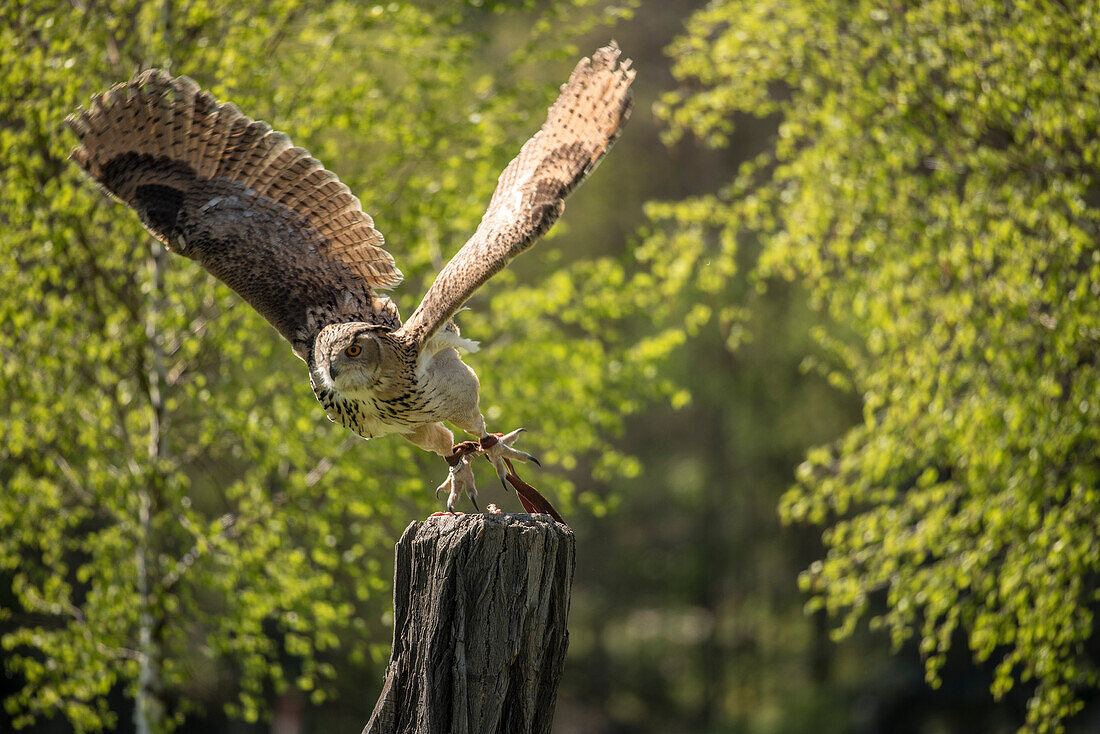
(332, 372)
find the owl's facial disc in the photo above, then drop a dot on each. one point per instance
(354, 362)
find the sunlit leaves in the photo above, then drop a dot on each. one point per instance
(933, 182)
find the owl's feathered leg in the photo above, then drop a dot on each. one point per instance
(496, 447)
(460, 479)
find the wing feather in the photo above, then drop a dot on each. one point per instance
(259, 213)
(580, 128)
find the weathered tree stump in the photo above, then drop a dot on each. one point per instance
(479, 640)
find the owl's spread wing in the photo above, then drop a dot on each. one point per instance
(530, 195)
(228, 191)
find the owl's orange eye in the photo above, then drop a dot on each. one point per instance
(353, 350)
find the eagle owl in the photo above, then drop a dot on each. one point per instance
(274, 225)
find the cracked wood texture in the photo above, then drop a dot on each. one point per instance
(479, 641)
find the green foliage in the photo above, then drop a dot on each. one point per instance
(175, 504)
(933, 181)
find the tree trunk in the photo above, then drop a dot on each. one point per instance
(479, 640)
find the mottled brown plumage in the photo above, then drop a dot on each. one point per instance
(272, 223)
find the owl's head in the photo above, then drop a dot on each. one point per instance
(349, 356)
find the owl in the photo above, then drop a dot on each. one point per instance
(273, 224)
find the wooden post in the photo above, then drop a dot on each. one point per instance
(479, 639)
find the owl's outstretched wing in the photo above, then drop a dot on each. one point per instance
(530, 195)
(228, 191)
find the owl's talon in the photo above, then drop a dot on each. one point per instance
(498, 447)
(459, 481)
(447, 484)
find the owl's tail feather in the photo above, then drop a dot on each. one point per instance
(156, 140)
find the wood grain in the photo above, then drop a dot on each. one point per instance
(480, 610)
